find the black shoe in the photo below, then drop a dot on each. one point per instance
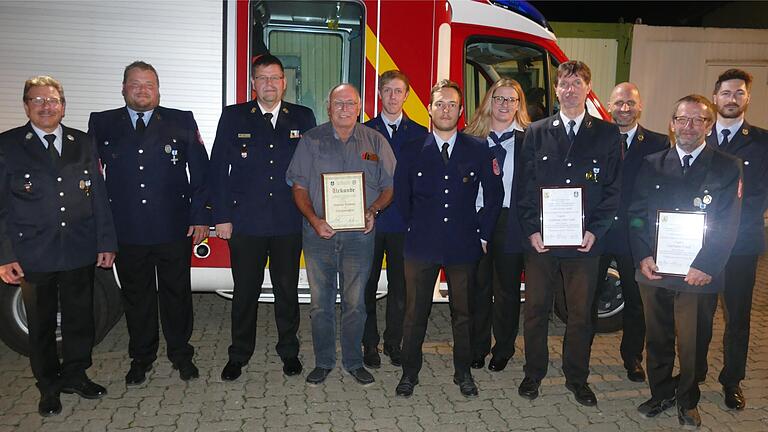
(362, 376)
(371, 357)
(85, 388)
(292, 366)
(653, 407)
(529, 388)
(689, 418)
(466, 384)
(317, 376)
(406, 385)
(584, 395)
(187, 370)
(394, 353)
(137, 374)
(232, 371)
(497, 364)
(635, 373)
(50, 405)
(478, 363)
(734, 398)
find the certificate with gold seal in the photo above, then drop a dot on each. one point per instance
(679, 238)
(562, 216)
(344, 200)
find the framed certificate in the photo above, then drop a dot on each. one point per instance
(562, 216)
(344, 200)
(679, 238)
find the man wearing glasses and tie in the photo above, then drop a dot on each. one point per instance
(253, 209)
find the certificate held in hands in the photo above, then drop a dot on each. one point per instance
(562, 216)
(344, 200)
(679, 238)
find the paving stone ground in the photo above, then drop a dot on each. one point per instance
(265, 400)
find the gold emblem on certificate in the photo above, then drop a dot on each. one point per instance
(679, 238)
(344, 200)
(562, 216)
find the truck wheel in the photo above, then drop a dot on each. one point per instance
(609, 299)
(14, 331)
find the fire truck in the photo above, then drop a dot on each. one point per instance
(322, 43)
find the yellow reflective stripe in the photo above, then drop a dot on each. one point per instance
(414, 108)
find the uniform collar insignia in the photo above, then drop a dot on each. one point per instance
(640, 137)
(253, 110)
(556, 123)
(285, 110)
(28, 136)
(70, 137)
(745, 131)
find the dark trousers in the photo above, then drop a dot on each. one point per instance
(392, 244)
(248, 256)
(669, 313)
(496, 298)
(736, 301)
(543, 273)
(633, 337)
(153, 276)
(42, 293)
(420, 280)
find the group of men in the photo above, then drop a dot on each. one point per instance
(263, 191)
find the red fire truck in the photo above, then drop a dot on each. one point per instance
(322, 43)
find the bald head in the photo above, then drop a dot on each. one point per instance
(625, 106)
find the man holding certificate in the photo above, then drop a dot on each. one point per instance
(341, 175)
(437, 180)
(684, 219)
(569, 197)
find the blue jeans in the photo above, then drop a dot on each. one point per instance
(348, 254)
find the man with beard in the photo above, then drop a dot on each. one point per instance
(690, 177)
(733, 135)
(437, 180)
(398, 129)
(637, 142)
(155, 167)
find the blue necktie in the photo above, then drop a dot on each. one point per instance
(686, 163)
(498, 140)
(498, 151)
(140, 125)
(52, 152)
(725, 133)
(571, 132)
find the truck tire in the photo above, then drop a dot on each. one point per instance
(107, 310)
(609, 301)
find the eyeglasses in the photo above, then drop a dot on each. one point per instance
(341, 105)
(684, 121)
(443, 106)
(499, 100)
(270, 79)
(40, 101)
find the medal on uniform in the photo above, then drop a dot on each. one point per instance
(295, 134)
(244, 151)
(707, 199)
(174, 153)
(27, 183)
(87, 187)
(697, 202)
(596, 171)
(168, 148)
(589, 176)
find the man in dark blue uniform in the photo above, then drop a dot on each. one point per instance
(733, 135)
(398, 129)
(55, 224)
(253, 208)
(436, 184)
(570, 149)
(159, 213)
(690, 177)
(637, 142)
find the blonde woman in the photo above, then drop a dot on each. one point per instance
(501, 119)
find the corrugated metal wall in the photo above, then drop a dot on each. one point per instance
(671, 62)
(600, 55)
(86, 45)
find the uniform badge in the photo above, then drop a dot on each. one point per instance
(589, 176)
(496, 169)
(295, 134)
(285, 110)
(556, 123)
(745, 131)
(702, 206)
(174, 154)
(697, 202)
(244, 151)
(27, 183)
(70, 137)
(243, 135)
(707, 199)
(465, 180)
(640, 137)
(87, 187)
(167, 148)
(588, 123)
(28, 135)
(106, 143)
(253, 110)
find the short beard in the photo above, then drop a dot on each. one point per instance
(737, 114)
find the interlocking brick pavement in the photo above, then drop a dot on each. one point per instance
(265, 400)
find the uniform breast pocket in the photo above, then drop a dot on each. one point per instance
(371, 171)
(470, 174)
(589, 169)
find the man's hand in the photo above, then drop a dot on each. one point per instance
(537, 242)
(323, 229)
(224, 230)
(370, 221)
(105, 259)
(648, 268)
(11, 273)
(697, 277)
(587, 242)
(198, 233)
(484, 245)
